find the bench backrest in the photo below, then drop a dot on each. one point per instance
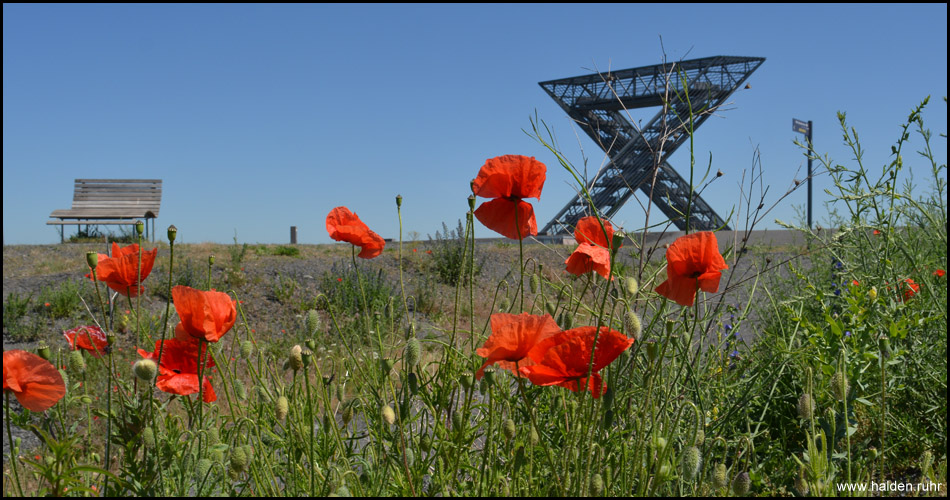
(119, 194)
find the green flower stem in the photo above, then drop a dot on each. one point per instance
(13, 458)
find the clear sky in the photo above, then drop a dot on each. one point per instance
(262, 117)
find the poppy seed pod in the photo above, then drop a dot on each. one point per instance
(741, 484)
(839, 386)
(413, 352)
(110, 338)
(467, 380)
(389, 416)
(145, 369)
(296, 357)
(306, 356)
(172, 233)
(211, 260)
(76, 363)
(806, 406)
(43, 350)
(398, 200)
(509, 429)
(618, 239)
(281, 408)
(651, 350)
(92, 258)
(139, 227)
(692, 461)
(719, 479)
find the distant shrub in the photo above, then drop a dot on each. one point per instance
(449, 261)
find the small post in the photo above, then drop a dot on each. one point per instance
(811, 153)
(293, 235)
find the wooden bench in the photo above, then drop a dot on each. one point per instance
(112, 202)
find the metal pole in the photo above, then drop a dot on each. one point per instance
(293, 235)
(811, 153)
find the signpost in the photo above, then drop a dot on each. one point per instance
(805, 128)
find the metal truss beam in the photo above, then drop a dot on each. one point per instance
(687, 91)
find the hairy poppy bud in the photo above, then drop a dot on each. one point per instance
(145, 370)
(719, 479)
(800, 484)
(43, 350)
(631, 285)
(92, 258)
(204, 467)
(172, 232)
(312, 324)
(504, 305)
(631, 323)
(347, 413)
(413, 352)
(659, 443)
(389, 416)
(806, 406)
(398, 200)
(651, 350)
(148, 437)
(534, 283)
(386, 365)
(240, 390)
(75, 361)
(741, 484)
(508, 429)
(247, 348)
(839, 386)
(239, 459)
(550, 308)
(533, 437)
(567, 320)
(296, 357)
(692, 461)
(597, 485)
(281, 408)
(926, 462)
(425, 443)
(457, 421)
(413, 383)
(663, 473)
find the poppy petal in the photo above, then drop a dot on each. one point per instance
(587, 258)
(344, 225)
(513, 337)
(499, 216)
(510, 176)
(35, 382)
(588, 230)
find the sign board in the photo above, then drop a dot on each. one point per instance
(799, 126)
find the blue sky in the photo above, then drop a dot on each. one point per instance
(262, 117)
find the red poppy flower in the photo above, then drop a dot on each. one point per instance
(566, 357)
(121, 271)
(693, 263)
(593, 251)
(204, 315)
(35, 382)
(178, 372)
(344, 225)
(910, 289)
(856, 283)
(940, 273)
(876, 232)
(89, 338)
(513, 336)
(508, 179)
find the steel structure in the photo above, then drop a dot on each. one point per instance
(598, 101)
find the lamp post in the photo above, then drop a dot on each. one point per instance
(805, 128)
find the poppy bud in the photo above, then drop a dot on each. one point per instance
(75, 361)
(139, 227)
(145, 370)
(457, 421)
(92, 258)
(534, 438)
(504, 305)
(741, 484)
(204, 467)
(296, 357)
(632, 324)
(389, 416)
(926, 462)
(806, 406)
(172, 232)
(692, 461)
(217, 455)
(342, 491)
(651, 350)
(550, 308)
(608, 419)
(43, 350)
(110, 337)
(659, 443)
(410, 456)
(800, 484)
(872, 453)
(240, 390)
(719, 476)
(508, 429)
(86, 400)
(398, 200)
(471, 202)
(839, 386)
(425, 443)
(700, 438)
(341, 391)
(281, 408)
(567, 319)
(663, 473)
(413, 352)
(239, 459)
(347, 413)
(413, 383)
(597, 485)
(312, 323)
(247, 348)
(534, 283)
(631, 285)
(148, 437)
(471, 184)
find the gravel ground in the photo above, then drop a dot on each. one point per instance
(29, 269)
